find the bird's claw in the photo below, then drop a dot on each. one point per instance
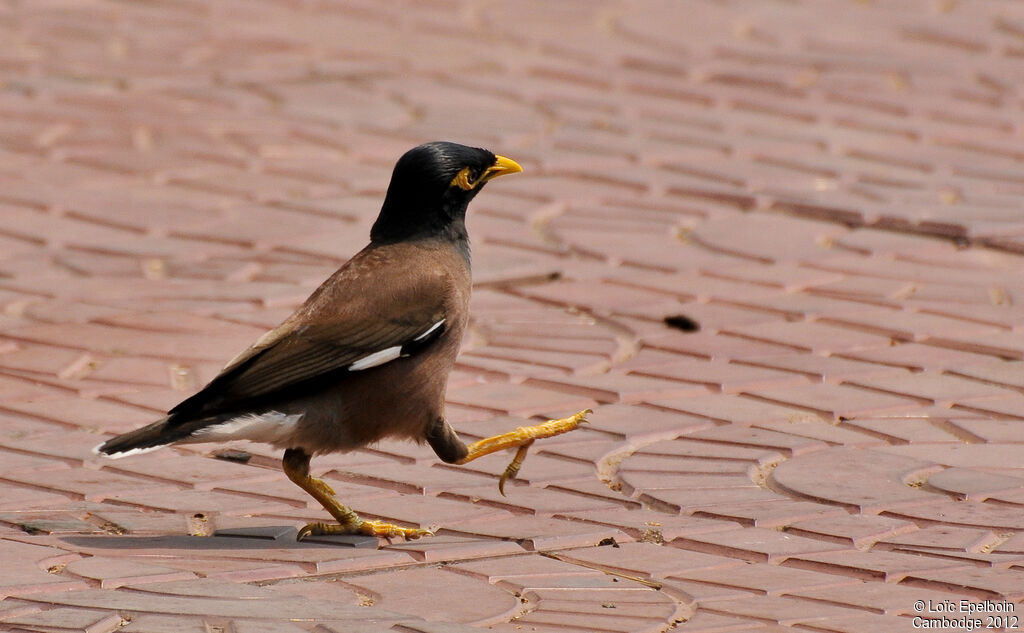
(316, 529)
(513, 467)
(540, 431)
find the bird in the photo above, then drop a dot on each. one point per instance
(367, 355)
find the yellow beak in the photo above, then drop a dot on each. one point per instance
(501, 167)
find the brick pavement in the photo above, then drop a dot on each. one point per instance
(831, 189)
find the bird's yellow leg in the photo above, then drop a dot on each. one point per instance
(296, 466)
(521, 438)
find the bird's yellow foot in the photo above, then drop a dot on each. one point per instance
(369, 528)
(522, 438)
(296, 467)
(380, 528)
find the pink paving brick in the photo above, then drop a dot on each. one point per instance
(496, 570)
(737, 409)
(754, 544)
(649, 559)
(987, 429)
(193, 501)
(920, 357)
(859, 530)
(803, 306)
(69, 619)
(910, 326)
(412, 478)
(471, 599)
(700, 503)
(11, 462)
(539, 534)
(528, 499)
(93, 484)
(648, 525)
(999, 516)
(658, 480)
(841, 221)
(818, 338)
(832, 369)
(90, 414)
(876, 565)
(904, 430)
(959, 455)
(768, 579)
(20, 498)
(983, 583)
(853, 623)
(637, 423)
(715, 444)
(836, 475)
(874, 597)
(204, 473)
(820, 431)
(974, 483)
(426, 511)
(109, 340)
(836, 400)
(943, 390)
(716, 347)
(614, 388)
(708, 622)
(723, 377)
(598, 489)
(770, 513)
(758, 439)
(784, 610)
(112, 572)
(1003, 373)
(519, 399)
(996, 406)
(949, 538)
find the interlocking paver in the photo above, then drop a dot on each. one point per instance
(876, 565)
(754, 544)
(842, 221)
(765, 579)
(114, 573)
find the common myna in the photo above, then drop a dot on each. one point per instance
(367, 356)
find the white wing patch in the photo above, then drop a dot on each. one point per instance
(432, 329)
(376, 358)
(387, 355)
(270, 427)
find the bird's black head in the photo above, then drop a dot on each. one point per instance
(430, 189)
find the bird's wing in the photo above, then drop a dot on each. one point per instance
(348, 329)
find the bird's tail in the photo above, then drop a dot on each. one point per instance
(148, 438)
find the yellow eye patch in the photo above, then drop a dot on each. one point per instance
(461, 180)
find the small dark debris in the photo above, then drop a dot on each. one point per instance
(607, 541)
(682, 322)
